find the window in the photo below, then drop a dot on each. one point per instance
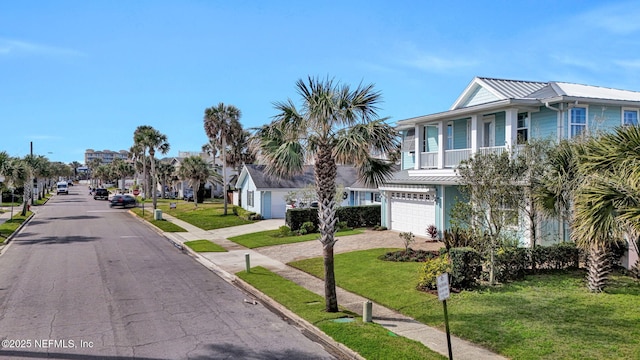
(408, 142)
(450, 136)
(250, 198)
(577, 121)
(523, 128)
(430, 138)
(629, 117)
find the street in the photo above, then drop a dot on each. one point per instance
(83, 281)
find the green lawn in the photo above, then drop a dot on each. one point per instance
(10, 226)
(206, 216)
(547, 316)
(270, 237)
(163, 225)
(370, 340)
(204, 246)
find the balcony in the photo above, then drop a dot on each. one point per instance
(453, 158)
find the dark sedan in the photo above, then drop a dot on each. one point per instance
(124, 201)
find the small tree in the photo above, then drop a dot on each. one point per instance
(407, 238)
(489, 183)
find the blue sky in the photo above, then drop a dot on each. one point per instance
(84, 74)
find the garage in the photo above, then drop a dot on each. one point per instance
(412, 212)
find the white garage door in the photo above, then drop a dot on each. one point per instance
(412, 212)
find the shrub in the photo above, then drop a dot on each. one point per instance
(294, 218)
(409, 256)
(431, 269)
(511, 263)
(379, 228)
(342, 226)
(354, 216)
(284, 231)
(457, 237)
(466, 267)
(432, 230)
(307, 227)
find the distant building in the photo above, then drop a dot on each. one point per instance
(105, 156)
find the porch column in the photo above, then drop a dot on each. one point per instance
(474, 134)
(511, 128)
(441, 145)
(417, 148)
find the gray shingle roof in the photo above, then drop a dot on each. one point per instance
(346, 176)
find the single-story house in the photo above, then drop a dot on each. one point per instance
(268, 195)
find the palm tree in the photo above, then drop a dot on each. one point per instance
(122, 169)
(607, 204)
(196, 170)
(222, 124)
(17, 174)
(93, 165)
(165, 171)
(241, 151)
(136, 152)
(75, 165)
(335, 125)
(151, 140)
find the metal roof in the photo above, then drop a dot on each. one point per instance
(513, 89)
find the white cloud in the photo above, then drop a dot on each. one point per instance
(10, 46)
(618, 18)
(629, 64)
(409, 55)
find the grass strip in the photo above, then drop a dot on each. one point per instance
(10, 226)
(163, 225)
(204, 246)
(370, 340)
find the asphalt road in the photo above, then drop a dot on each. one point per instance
(83, 281)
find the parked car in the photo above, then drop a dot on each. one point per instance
(101, 194)
(124, 200)
(187, 195)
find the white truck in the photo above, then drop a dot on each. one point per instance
(63, 188)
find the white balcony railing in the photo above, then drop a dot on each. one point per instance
(492, 150)
(429, 160)
(452, 158)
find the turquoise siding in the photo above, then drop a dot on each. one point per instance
(438, 208)
(544, 124)
(500, 129)
(408, 160)
(479, 96)
(460, 134)
(604, 120)
(451, 196)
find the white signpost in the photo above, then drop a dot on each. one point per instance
(443, 295)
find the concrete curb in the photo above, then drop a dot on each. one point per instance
(334, 347)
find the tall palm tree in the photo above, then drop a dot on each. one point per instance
(222, 124)
(137, 155)
(165, 171)
(196, 170)
(607, 204)
(335, 125)
(240, 151)
(151, 140)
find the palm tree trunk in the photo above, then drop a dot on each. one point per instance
(154, 181)
(224, 173)
(325, 173)
(598, 268)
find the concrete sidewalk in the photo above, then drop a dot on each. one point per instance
(275, 258)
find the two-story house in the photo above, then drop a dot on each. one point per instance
(491, 115)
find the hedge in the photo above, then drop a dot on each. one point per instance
(466, 267)
(354, 216)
